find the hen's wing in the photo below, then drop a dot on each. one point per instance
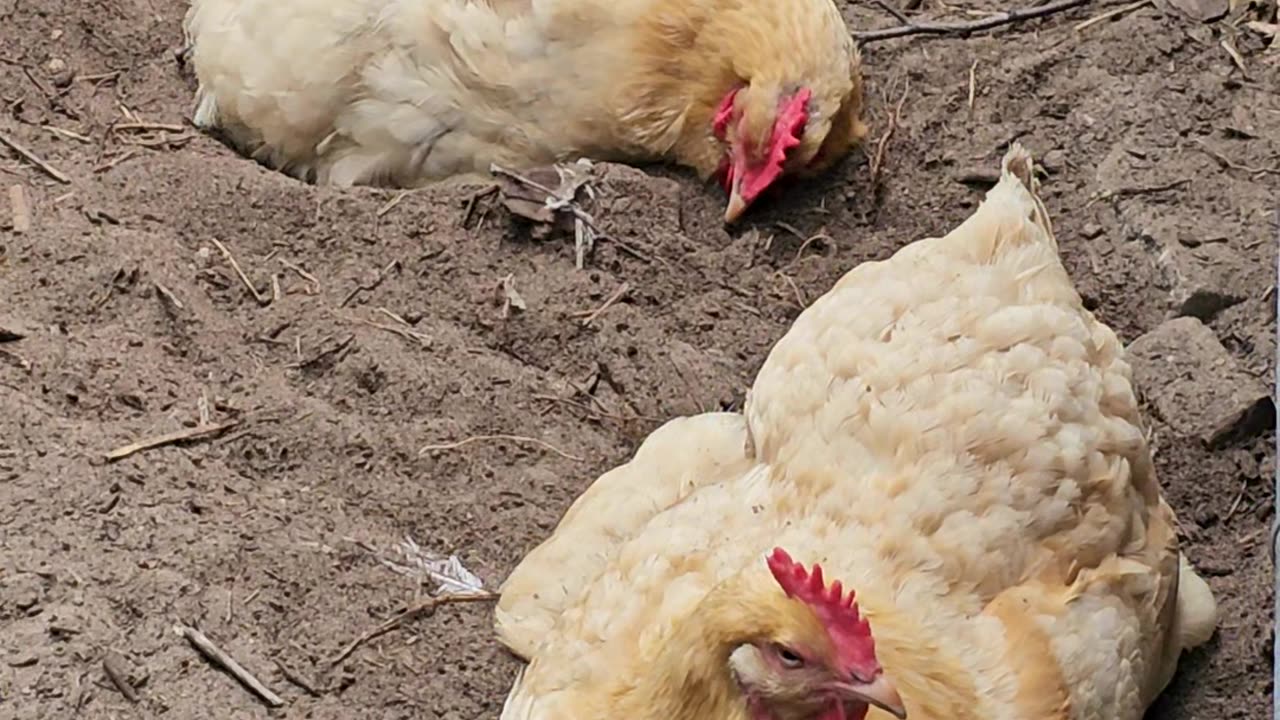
(673, 462)
(402, 91)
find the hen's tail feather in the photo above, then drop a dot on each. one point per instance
(1197, 609)
(519, 704)
(1019, 165)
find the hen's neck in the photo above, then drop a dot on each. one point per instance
(690, 678)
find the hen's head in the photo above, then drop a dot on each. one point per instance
(769, 130)
(749, 90)
(817, 658)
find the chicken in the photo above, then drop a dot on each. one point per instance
(949, 434)
(403, 92)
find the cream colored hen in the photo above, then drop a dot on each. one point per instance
(403, 92)
(948, 432)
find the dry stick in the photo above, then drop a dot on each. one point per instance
(413, 613)
(392, 203)
(262, 299)
(964, 28)
(113, 665)
(1226, 162)
(1111, 14)
(34, 159)
(199, 432)
(297, 679)
(511, 438)
(877, 162)
(149, 126)
(168, 296)
(592, 315)
(411, 335)
(302, 274)
(973, 85)
(382, 275)
(228, 663)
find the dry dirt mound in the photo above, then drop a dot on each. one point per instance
(385, 325)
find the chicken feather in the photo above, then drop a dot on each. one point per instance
(951, 434)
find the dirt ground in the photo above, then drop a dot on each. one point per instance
(270, 537)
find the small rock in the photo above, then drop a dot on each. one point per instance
(23, 593)
(1091, 230)
(1202, 10)
(22, 658)
(1202, 279)
(980, 176)
(1054, 161)
(1195, 385)
(59, 72)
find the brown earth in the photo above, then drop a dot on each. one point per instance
(268, 536)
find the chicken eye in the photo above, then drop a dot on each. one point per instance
(789, 659)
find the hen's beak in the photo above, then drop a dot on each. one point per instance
(879, 692)
(736, 204)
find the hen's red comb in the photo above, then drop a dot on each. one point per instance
(720, 123)
(788, 126)
(850, 634)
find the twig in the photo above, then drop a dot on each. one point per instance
(297, 679)
(392, 203)
(973, 84)
(510, 438)
(1244, 485)
(315, 284)
(113, 666)
(476, 197)
(228, 663)
(404, 332)
(70, 134)
(136, 126)
(1226, 162)
(422, 608)
(168, 296)
(895, 12)
(1136, 190)
(877, 162)
(1111, 14)
(964, 28)
(262, 299)
(382, 275)
(1234, 54)
(592, 315)
(199, 432)
(338, 351)
(34, 159)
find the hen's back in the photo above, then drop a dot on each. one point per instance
(274, 76)
(678, 459)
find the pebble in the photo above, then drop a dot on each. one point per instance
(1196, 386)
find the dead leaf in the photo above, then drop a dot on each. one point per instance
(1271, 30)
(511, 297)
(21, 208)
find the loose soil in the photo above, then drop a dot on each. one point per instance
(269, 536)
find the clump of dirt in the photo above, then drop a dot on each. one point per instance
(383, 324)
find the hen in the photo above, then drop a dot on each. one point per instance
(950, 433)
(402, 92)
